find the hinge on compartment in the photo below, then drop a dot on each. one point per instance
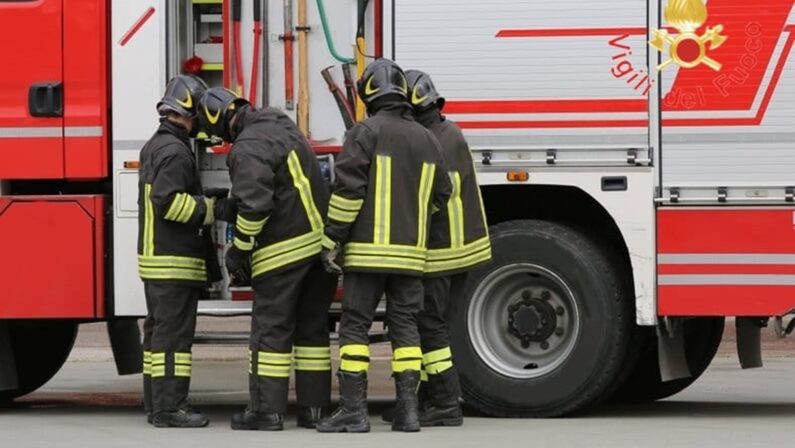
(632, 156)
(789, 194)
(486, 158)
(723, 194)
(674, 193)
(552, 155)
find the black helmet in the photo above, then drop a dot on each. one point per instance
(182, 96)
(422, 92)
(382, 77)
(217, 107)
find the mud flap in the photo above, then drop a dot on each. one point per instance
(125, 341)
(671, 349)
(8, 365)
(749, 341)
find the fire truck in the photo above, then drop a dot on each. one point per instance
(636, 158)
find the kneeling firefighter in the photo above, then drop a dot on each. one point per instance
(389, 178)
(281, 200)
(175, 255)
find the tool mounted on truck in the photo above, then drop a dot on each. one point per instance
(288, 38)
(346, 111)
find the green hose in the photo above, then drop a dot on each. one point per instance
(322, 10)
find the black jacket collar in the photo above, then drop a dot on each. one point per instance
(429, 117)
(169, 127)
(391, 107)
(245, 115)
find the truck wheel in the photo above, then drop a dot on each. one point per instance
(702, 339)
(544, 329)
(40, 349)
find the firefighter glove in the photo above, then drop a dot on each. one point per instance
(226, 209)
(238, 264)
(216, 193)
(332, 259)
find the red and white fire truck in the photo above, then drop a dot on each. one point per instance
(636, 157)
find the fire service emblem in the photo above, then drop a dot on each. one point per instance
(687, 49)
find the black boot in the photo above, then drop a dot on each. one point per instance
(422, 396)
(407, 407)
(443, 408)
(308, 417)
(448, 415)
(351, 415)
(257, 421)
(181, 418)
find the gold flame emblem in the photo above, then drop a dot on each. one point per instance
(687, 48)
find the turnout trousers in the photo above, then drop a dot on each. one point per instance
(289, 323)
(363, 291)
(443, 388)
(169, 328)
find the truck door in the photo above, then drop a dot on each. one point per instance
(31, 89)
(725, 229)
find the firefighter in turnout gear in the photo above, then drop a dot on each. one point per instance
(389, 181)
(458, 242)
(281, 199)
(174, 259)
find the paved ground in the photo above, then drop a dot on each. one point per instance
(87, 405)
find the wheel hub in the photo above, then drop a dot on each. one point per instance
(523, 320)
(531, 319)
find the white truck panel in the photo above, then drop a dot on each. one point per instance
(461, 44)
(139, 76)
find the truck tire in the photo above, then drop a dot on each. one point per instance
(702, 339)
(40, 348)
(544, 329)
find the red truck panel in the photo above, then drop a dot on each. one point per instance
(85, 74)
(64, 43)
(726, 261)
(30, 40)
(54, 257)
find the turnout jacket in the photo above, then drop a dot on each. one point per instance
(389, 177)
(459, 237)
(171, 210)
(282, 196)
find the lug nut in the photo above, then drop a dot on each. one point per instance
(546, 295)
(526, 295)
(559, 331)
(560, 311)
(543, 321)
(525, 343)
(544, 345)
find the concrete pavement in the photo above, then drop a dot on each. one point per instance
(87, 405)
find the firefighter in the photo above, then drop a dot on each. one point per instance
(281, 198)
(458, 242)
(389, 178)
(173, 254)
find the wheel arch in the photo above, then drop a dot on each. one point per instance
(621, 220)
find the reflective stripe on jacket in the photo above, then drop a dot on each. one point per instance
(389, 177)
(459, 236)
(282, 196)
(171, 210)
